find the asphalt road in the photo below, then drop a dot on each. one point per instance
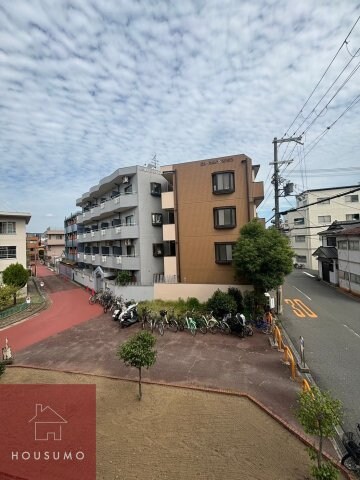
(329, 322)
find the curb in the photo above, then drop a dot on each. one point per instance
(234, 393)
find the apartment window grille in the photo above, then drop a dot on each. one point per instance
(352, 216)
(299, 238)
(156, 219)
(223, 182)
(353, 244)
(331, 241)
(351, 198)
(225, 217)
(8, 252)
(301, 258)
(323, 200)
(224, 252)
(299, 221)
(342, 244)
(158, 250)
(7, 228)
(324, 218)
(155, 189)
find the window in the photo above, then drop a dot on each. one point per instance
(299, 238)
(105, 250)
(342, 244)
(129, 220)
(353, 244)
(117, 250)
(331, 241)
(323, 200)
(301, 258)
(156, 219)
(155, 189)
(223, 182)
(8, 252)
(354, 278)
(169, 249)
(7, 228)
(224, 252)
(158, 250)
(128, 189)
(343, 275)
(353, 216)
(324, 219)
(299, 221)
(225, 217)
(59, 237)
(351, 198)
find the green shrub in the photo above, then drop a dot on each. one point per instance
(123, 278)
(326, 471)
(193, 303)
(237, 296)
(221, 303)
(2, 368)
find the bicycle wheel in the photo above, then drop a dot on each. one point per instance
(225, 328)
(91, 300)
(173, 325)
(193, 328)
(161, 328)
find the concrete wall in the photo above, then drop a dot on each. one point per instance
(168, 291)
(17, 240)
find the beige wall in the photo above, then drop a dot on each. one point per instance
(18, 240)
(168, 291)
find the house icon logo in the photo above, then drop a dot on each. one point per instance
(47, 423)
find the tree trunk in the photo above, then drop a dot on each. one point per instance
(140, 393)
(14, 298)
(320, 448)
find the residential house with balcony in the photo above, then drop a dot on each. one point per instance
(121, 220)
(13, 238)
(304, 225)
(348, 243)
(206, 203)
(72, 230)
(54, 245)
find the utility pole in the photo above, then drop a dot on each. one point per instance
(276, 182)
(276, 164)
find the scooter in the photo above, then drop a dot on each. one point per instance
(351, 459)
(128, 314)
(239, 326)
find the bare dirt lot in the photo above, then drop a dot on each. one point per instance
(175, 433)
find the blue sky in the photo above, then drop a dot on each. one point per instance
(91, 86)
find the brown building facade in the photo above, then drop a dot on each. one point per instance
(206, 204)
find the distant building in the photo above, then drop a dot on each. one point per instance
(54, 245)
(206, 203)
(304, 225)
(13, 238)
(348, 242)
(34, 250)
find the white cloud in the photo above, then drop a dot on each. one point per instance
(90, 86)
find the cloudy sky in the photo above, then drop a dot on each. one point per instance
(91, 86)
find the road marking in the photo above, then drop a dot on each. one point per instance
(306, 273)
(352, 331)
(301, 292)
(300, 309)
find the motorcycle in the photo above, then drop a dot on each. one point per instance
(239, 326)
(351, 459)
(127, 314)
(299, 265)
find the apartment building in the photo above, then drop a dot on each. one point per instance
(304, 225)
(72, 230)
(206, 203)
(54, 245)
(13, 238)
(34, 250)
(121, 221)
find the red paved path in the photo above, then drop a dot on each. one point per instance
(69, 307)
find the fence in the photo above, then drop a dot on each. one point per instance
(12, 310)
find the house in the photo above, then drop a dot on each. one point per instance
(121, 220)
(205, 203)
(54, 245)
(327, 253)
(348, 243)
(13, 238)
(304, 225)
(47, 423)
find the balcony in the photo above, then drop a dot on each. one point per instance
(119, 203)
(111, 233)
(258, 192)
(168, 232)
(167, 200)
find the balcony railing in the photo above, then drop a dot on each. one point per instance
(124, 262)
(121, 202)
(110, 233)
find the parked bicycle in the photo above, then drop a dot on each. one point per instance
(169, 323)
(188, 324)
(351, 459)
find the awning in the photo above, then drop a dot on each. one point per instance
(326, 252)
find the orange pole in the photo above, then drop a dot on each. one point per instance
(289, 358)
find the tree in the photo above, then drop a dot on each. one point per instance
(15, 275)
(123, 278)
(319, 414)
(263, 256)
(6, 292)
(138, 352)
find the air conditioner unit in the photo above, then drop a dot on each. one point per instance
(125, 179)
(128, 242)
